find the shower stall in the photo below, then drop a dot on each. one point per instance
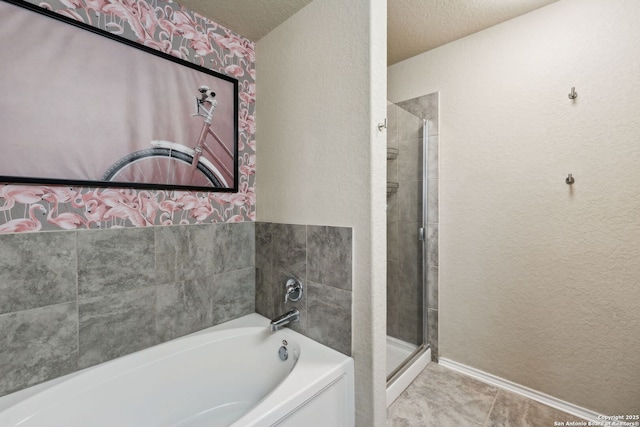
(412, 236)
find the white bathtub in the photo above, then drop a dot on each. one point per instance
(228, 375)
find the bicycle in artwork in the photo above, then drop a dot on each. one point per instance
(177, 164)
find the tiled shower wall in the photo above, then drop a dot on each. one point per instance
(73, 299)
(405, 297)
(321, 258)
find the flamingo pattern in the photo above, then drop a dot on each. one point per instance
(171, 28)
(24, 225)
(93, 208)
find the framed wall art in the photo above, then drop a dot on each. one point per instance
(82, 106)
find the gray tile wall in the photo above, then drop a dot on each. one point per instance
(321, 258)
(72, 299)
(404, 209)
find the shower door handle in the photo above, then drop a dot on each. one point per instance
(422, 234)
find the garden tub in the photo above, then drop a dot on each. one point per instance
(235, 374)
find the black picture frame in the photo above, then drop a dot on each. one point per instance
(31, 157)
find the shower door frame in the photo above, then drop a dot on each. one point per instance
(422, 236)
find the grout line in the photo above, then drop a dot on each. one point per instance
(155, 283)
(77, 277)
(486, 421)
(424, 372)
(9, 313)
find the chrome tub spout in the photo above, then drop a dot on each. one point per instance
(292, 315)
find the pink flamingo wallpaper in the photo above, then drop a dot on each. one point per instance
(173, 29)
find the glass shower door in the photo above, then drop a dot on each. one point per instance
(406, 224)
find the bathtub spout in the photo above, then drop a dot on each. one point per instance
(292, 315)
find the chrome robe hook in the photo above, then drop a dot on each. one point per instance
(570, 180)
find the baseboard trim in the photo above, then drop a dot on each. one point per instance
(543, 398)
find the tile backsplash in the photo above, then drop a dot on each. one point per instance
(73, 299)
(321, 258)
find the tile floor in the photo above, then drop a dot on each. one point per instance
(440, 397)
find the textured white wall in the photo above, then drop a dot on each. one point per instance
(321, 86)
(539, 281)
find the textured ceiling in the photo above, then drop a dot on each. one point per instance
(414, 26)
(252, 19)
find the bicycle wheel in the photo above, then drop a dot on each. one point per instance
(160, 166)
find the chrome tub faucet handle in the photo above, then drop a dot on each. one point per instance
(293, 290)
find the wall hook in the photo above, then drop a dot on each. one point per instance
(570, 180)
(573, 94)
(382, 125)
